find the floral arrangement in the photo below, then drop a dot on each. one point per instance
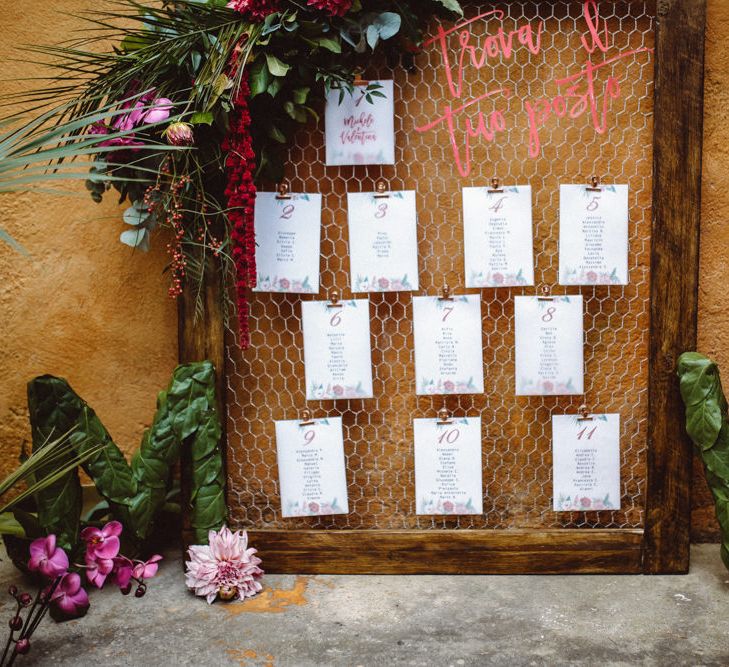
(199, 100)
(224, 568)
(62, 593)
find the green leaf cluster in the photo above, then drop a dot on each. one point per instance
(186, 416)
(707, 423)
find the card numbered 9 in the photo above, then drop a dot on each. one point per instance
(549, 345)
(586, 463)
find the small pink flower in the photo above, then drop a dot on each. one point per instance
(122, 571)
(598, 505)
(448, 506)
(338, 390)
(384, 283)
(497, 278)
(148, 569)
(98, 128)
(313, 507)
(548, 386)
(591, 277)
(48, 559)
(449, 386)
(70, 597)
(585, 502)
(284, 283)
(98, 569)
(121, 141)
(102, 543)
(158, 111)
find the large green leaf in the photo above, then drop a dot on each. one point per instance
(707, 423)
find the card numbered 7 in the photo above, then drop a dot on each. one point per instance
(360, 126)
(586, 463)
(448, 344)
(288, 235)
(383, 242)
(497, 235)
(549, 345)
(448, 466)
(311, 468)
(337, 350)
(593, 235)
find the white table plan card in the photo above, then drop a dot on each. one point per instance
(360, 126)
(593, 235)
(448, 344)
(337, 349)
(311, 468)
(448, 476)
(549, 345)
(288, 237)
(497, 236)
(383, 242)
(585, 462)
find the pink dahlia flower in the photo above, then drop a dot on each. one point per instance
(102, 543)
(70, 597)
(226, 565)
(48, 559)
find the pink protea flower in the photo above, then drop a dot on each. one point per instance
(102, 543)
(48, 559)
(70, 597)
(179, 134)
(224, 566)
(331, 7)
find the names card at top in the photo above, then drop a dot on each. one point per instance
(383, 243)
(448, 344)
(288, 235)
(549, 345)
(593, 235)
(360, 126)
(497, 235)
(337, 352)
(448, 466)
(586, 463)
(311, 468)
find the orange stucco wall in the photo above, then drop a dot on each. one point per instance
(85, 307)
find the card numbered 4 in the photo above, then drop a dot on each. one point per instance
(497, 235)
(593, 235)
(448, 477)
(311, 469)
(383, 241)
(549, 345)
(586, 463)
(337, 349)
(448, 344)
(288, 237)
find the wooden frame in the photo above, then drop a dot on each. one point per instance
(663, 545)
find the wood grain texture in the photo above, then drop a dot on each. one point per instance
(201, 337)
(678, 122)
(450, 551)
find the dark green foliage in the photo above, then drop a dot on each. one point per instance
(186, 416)
(707, 423)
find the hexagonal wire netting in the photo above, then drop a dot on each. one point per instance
(266, 382)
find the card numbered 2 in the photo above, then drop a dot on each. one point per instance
(311, 468)
(586, 463)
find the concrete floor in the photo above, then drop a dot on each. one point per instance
(408, 620)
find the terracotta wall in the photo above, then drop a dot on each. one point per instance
(85, 307)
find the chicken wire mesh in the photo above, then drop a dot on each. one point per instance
(266, 382)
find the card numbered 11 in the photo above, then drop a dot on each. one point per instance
(593, 235)
(497, 235)
(448, 344)
(337, 349)
(448, 477)
(586, 463)
(288, 236)
(549, 345)
(311, 468)
(383, 241)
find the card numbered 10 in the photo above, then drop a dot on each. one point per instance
(549, 345)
